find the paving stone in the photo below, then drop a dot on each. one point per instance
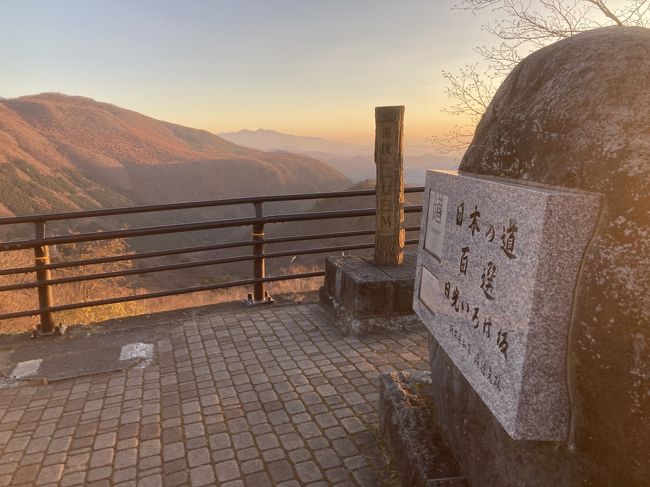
(99, 483)
(173, 451)
(233, 483)
(99, 473)
(193, 430)
(198, 457)
(150, 447)
(365, 476)
(154, 480)
(278, 417)
(284, 429)
(242, 440)
(127, 444)
(220, 440)
(281, 470)
(309, 430)
(301, 418)
(354, 462)
(335, 432)
(345, 447)
(227, 470)
(149, 462)
(308, 471)
(50, 474)
(299, 455)
(73, 479)
(273, 455)
(268, 440)
(337, 475)
(126, 458)
(259, 479)
(353, 425)
(176, 479)
(125, 475)
(100, 458)
(203, 475)
(326, 420)
(105, 440)
(225, 454)
(318, 443)
(291, 441)
(251, 466)
(290, 483)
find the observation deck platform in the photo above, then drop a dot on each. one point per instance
(222, 395)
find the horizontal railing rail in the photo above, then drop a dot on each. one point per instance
(190, 205)
(43, 267)
(189, 250)
(193, 227)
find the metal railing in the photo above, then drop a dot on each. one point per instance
(43, 267)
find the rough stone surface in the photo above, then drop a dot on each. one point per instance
(496, 291)
(575, 115)
(352, 324)
(369, 289)
(422, 457)
(362, 297)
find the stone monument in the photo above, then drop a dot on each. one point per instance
(568, 296)
(494, 284)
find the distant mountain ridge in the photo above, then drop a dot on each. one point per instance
(356, 161)
(270, 140)
(65, 152)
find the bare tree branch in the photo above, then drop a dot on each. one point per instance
(471, 91)
(636, 13)
(455, 141)
(606, 11)
(521, 27)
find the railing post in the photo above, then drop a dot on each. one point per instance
(259, 263)
(45, 300)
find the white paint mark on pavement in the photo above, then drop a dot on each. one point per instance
(135, 350)
(23, 369)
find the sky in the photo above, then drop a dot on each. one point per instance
(308, 67)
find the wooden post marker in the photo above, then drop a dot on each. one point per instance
(389, 229)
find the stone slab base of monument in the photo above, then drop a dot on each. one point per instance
(420, 454)
(362, 297)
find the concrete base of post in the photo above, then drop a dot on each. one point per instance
(251, 301)
(58, 330)
(362, 297)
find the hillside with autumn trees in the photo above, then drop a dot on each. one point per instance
(61, 152)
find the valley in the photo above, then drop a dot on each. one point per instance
(62, 153)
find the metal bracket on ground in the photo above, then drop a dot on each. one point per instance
(58, 330)
(250, 301)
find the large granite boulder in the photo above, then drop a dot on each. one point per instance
(575, 114)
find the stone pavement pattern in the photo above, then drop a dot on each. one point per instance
(253, 397)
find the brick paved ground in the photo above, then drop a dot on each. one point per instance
(263, 396)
